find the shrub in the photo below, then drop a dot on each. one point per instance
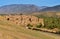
(39, 25)
(29, 25)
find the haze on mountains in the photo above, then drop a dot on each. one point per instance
(26, 8)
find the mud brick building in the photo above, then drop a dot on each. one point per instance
(24, 19)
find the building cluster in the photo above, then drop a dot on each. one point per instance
(24, 19)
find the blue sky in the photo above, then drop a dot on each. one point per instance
(35, 2)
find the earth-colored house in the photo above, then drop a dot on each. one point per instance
(24, 19)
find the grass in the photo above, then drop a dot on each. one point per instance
(13, 31)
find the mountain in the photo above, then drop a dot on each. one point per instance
(19, 8)
(26, 8)
(54, 8)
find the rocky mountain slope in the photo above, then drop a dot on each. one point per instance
(27, 8)
(19, 8)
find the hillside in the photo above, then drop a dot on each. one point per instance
(19, 8)
(52, 9)
(9, 30)
(47, 14)
(27, 8)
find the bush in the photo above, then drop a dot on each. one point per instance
(39, 25)
(29, 25)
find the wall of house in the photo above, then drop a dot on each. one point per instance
(24, 19)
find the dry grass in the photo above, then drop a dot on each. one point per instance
(9, 30)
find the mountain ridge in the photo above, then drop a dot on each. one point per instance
(26, 8)
(53, 8)
(20, 8)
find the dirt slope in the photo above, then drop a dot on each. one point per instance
(13, 31)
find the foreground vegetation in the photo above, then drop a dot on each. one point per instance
(51, 23)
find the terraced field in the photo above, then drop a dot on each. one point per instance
(9, 30)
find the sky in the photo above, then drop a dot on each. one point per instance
(35, 2)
